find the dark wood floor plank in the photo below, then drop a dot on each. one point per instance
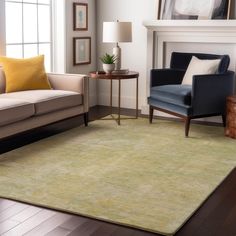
(218, 217)
(73, 223)
(4, 204)
(31, 223)
(229, 226)
(7, 225)
(105, 230)
(11, 211)
(142, 233)
(213, 211)
(49, 225)
(86, 229)
(123, 231)
(58, 232)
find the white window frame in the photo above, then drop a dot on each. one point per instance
(37, 42)
(58, 35)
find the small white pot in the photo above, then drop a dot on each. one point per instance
(108, 68)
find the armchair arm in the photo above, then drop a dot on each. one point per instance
(71, 82)
(209, 92)
(166, 76)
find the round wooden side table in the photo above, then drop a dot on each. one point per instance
(100, 75)
(230, 130)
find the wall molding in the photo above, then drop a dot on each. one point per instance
(187, 31)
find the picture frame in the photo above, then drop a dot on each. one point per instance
(194, 10)
(80, 16)
(159, 4)
(81, 50)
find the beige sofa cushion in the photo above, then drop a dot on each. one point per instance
(13, 110)
(46, 101)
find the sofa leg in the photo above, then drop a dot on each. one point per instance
(150, 114)
(86, 118)
(224, 120)
(187, 126)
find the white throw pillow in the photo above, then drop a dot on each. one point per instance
(200, 67)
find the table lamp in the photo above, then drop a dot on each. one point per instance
(117, 32)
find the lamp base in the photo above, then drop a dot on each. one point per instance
(117, 53)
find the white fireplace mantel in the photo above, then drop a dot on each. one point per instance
(186, 31)
(191, 25)
(160, 32)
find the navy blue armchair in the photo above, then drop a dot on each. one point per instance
(205, 97)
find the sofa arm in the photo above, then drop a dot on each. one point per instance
(209, 92)
(166, 76)
(71, 82)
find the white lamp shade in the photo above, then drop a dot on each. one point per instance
(115, 32)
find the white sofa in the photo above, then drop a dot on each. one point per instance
(26, 110)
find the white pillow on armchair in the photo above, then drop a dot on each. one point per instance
(200, 67)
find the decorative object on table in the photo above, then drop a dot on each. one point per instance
(121, 71)
(204, 98)
(192, 9)
(108, 62)
(117, 32)
(82, 50)
(80, 16)
(230, 130)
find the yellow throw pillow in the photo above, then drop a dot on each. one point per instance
(24, 74)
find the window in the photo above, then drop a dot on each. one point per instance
(28, 29)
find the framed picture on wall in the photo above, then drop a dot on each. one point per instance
(82, 50)
(80, 16)
(192, 9)
(159, 5)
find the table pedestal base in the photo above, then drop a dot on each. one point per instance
(118, 77)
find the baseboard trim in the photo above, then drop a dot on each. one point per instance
(126, 111)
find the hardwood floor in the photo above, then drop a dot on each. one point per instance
(216, 217)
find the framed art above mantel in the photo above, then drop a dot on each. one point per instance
(194, 9)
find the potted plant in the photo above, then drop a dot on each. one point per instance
(108, 62)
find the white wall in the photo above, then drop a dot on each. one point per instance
(2, 28)
(133, 54)
(59, 36)
(70, 33)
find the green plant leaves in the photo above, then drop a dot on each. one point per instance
(108, 59)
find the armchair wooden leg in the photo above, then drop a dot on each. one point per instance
(150, 114)
(86, 118)
(224, 120)
(187, 125)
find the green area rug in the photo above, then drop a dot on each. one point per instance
(136, 174)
